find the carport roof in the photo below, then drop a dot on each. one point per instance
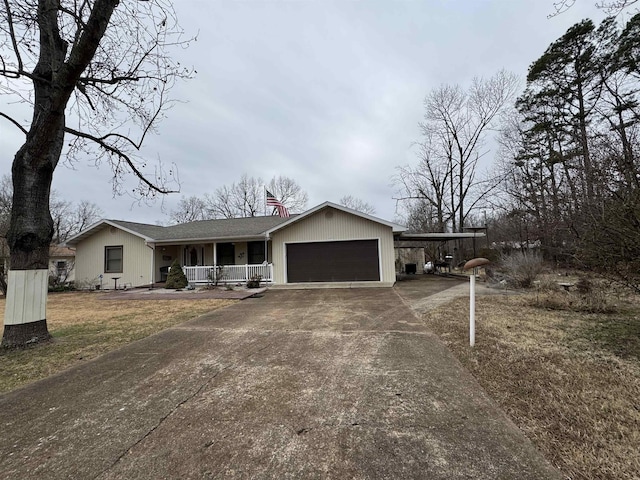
(438, 237)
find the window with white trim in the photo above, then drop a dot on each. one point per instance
(113, 259)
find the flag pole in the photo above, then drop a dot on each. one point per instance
(266, 247)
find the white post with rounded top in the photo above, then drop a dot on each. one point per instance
(473, 264)
(472, 308)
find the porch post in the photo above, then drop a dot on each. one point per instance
(215, 253)
(266, 250)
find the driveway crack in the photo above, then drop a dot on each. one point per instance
(177, 406)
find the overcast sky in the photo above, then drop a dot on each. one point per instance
(328, 93)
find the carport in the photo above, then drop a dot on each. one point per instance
(405, 241)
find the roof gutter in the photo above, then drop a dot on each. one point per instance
(185, 241)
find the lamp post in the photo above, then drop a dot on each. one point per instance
(473, 264)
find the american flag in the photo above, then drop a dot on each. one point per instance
(274, 202)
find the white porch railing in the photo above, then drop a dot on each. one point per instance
(228, 273)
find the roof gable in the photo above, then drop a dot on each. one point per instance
(141, 230)
(394, 226)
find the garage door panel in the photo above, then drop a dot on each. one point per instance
(344, 261)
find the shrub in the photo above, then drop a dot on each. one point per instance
(254, 282)
(490, 254)
(218, 275)
(597, 301)
(521, 268)
(176, 278)
(584, 285)
(548, 285)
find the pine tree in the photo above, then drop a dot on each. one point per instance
(176, 278)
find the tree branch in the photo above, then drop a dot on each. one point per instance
(15, 122)
(84, 50)
(120, 154)
(12, 34)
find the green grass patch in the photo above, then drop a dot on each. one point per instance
(619, 335)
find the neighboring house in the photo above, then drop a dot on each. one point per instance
(61, 261)
(62, 264)
(328, 243)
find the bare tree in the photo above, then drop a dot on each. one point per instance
(61, 214)
(6, 194)
(239, 200)
(68, 218)
(357, 204)
(456, 123)
(611, 7)
(94, 74)
(289, 192)
(189, 209)
(425, 187)
(247, 197)
(85, 214)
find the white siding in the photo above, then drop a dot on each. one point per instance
(136, 259)
(171, 252)
(330, 224)
(70, 261)
(241, 253)
(26, 296)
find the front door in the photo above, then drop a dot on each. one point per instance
(193, 255)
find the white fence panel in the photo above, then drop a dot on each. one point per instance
(228, 273)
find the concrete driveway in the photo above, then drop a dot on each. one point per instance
(295, 384)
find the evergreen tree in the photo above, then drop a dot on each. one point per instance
(176, 278)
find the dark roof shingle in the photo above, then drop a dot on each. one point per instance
(205, 229)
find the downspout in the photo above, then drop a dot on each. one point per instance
(152, 246)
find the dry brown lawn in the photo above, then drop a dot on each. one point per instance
(83, 326)
(570, 380)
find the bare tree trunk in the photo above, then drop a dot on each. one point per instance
(584, 145)
(31, 227)
(29, 237)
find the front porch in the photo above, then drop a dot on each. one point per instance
(216, 262)
(221, 274)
